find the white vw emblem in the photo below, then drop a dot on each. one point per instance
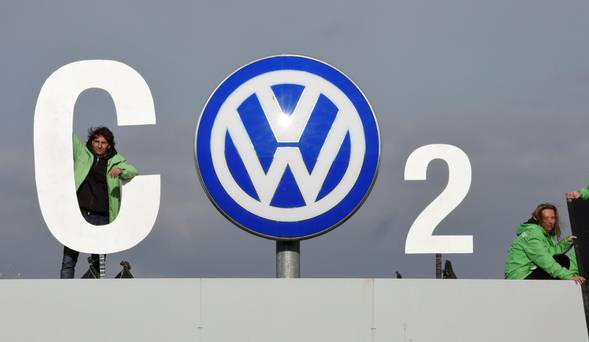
(287, 128)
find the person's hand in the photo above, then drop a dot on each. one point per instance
(578, 280)
(571, 239)
(115, 172)
(572, 195)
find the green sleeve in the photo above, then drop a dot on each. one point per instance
(128, 171)
(78, 145)
(585, 192)
(538, 252)
(561, 247)
(574, 268)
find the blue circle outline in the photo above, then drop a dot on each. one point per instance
(271, 229)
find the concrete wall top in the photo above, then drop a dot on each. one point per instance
(290, 310)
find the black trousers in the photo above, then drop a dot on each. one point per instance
(70, 256)
(540, 274)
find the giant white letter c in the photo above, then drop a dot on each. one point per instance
(54, 168)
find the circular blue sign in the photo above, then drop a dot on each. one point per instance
(287, 147)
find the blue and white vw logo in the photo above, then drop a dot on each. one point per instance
(287, 147)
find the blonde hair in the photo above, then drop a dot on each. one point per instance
(537, 216)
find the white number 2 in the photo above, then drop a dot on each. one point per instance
(420, 238)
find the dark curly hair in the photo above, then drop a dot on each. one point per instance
(104, 132)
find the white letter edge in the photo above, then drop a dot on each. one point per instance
(54, 166)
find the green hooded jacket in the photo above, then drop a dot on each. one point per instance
(533, 248)
(83, 159)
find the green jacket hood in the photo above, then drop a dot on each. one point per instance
(527, 227)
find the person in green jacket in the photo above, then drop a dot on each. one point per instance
(536, 252)
(98, 170)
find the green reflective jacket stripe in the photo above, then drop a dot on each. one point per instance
(533, 248)
(83, 159)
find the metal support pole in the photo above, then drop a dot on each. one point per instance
(288, 255)
(102, 266)
(438, 266)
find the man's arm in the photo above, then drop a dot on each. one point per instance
(124, 170)
(77, 144)
(582, 193)
(128, 171)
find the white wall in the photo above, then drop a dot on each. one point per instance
(290, 310)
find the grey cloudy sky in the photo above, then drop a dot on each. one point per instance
(506, 81)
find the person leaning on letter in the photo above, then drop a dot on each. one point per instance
(98, 169)
(536, 252)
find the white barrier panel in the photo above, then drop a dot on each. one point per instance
(291, 310)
